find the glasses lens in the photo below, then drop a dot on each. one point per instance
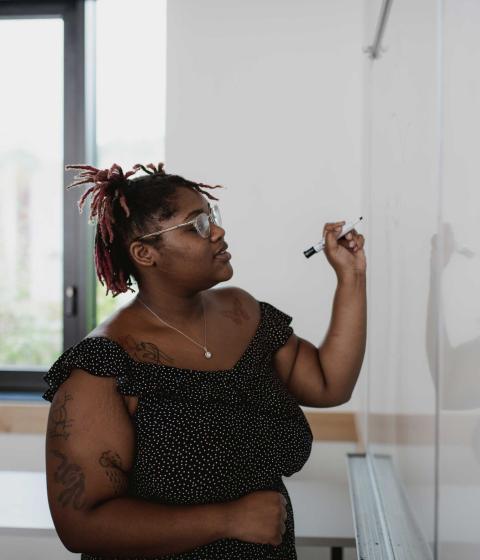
(203, 221)
(203, 225)
(217, 218)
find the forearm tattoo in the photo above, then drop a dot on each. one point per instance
(59, 421)
(72, 478)
(112, 464)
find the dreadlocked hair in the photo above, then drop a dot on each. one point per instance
(125, 209)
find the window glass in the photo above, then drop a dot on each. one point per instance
(31, 191)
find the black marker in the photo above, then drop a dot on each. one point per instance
(319, 247)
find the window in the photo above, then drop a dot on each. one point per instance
(80, 89)
(31, 212)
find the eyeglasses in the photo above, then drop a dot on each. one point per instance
(201, 222)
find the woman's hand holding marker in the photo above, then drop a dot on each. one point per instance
(345, 254)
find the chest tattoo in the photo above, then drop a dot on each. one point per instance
(238, 315)
(145, 351)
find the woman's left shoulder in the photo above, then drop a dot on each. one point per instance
(238, 300)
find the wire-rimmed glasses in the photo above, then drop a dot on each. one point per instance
(201, 222)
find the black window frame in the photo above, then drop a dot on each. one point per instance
(79, 281)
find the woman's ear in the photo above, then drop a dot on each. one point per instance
(143, 254)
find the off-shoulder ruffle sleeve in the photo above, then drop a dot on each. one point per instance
(98, 355)
(277, 326)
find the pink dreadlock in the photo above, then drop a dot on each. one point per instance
(109, 185)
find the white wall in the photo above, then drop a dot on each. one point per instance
(266, 99)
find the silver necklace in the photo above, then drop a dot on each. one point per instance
(207, 353)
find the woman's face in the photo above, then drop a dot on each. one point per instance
(184, 257)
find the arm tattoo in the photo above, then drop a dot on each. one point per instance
(113, 469)
(145, 351)
(58, 420)
(72, 478)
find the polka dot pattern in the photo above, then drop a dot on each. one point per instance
(207, 436)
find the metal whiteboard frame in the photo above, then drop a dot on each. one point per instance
(374, 50)
(385, 525)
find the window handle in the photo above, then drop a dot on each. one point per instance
(71, 301)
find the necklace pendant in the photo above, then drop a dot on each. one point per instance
(208, 354)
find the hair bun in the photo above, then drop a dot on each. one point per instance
(156, 170)
(103, 178)
(92, 174)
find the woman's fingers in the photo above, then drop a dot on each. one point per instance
(358, 243)
(330, 226)
(352, 240)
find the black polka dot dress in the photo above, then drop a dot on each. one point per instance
(207, 436)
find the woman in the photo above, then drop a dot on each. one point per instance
(165, 440)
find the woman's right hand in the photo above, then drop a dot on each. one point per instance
(258, 517)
